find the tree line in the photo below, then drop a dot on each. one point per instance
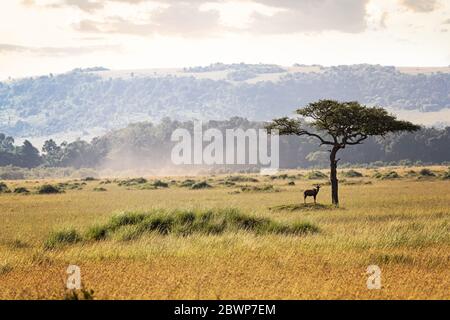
(148, 144)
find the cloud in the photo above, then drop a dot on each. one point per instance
(180, 20)
(56, 51)
(311, 16)
(84, 5)
(421, 5)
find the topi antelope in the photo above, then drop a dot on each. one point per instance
(311, 193)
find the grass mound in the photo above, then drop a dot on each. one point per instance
(187, 183)
(201, 185)
(446, 175)
(265, 188)
(132, 225)
(315, 175)
(426, 173)
(241, 179)
(99, 189)
(132, 182)
(4, 188)
(48, 189)
(22, 190)
(160, 184)
(352, 174)
(302, 207)
(285, 176)
(70, 186)
(89, 179)
(387, 176)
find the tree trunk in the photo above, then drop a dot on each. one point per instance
(333, 177)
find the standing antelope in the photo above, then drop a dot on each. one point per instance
(311, 193)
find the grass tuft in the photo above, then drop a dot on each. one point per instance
(62, 237)
(302, 207)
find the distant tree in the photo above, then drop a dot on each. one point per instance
(52, 153)
(29, 155)
(338, 125)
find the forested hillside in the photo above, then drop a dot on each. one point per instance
(93, 98)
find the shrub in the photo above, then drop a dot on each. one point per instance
(58, 238)
(48, 189)
(21, 190)
(291, 183)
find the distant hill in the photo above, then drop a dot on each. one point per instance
(85, 100)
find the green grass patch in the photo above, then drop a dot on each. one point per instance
(60, 238)
(132, 225)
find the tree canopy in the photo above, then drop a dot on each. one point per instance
(341, 124)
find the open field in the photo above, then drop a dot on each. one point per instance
(401, 224)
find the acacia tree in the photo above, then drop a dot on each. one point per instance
(338, 125)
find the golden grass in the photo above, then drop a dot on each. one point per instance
(401, 225)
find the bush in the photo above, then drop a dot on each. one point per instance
(58, 238)
(48, 189)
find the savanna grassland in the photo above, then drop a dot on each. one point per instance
(229, 237)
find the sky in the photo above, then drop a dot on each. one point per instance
(53, 36)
